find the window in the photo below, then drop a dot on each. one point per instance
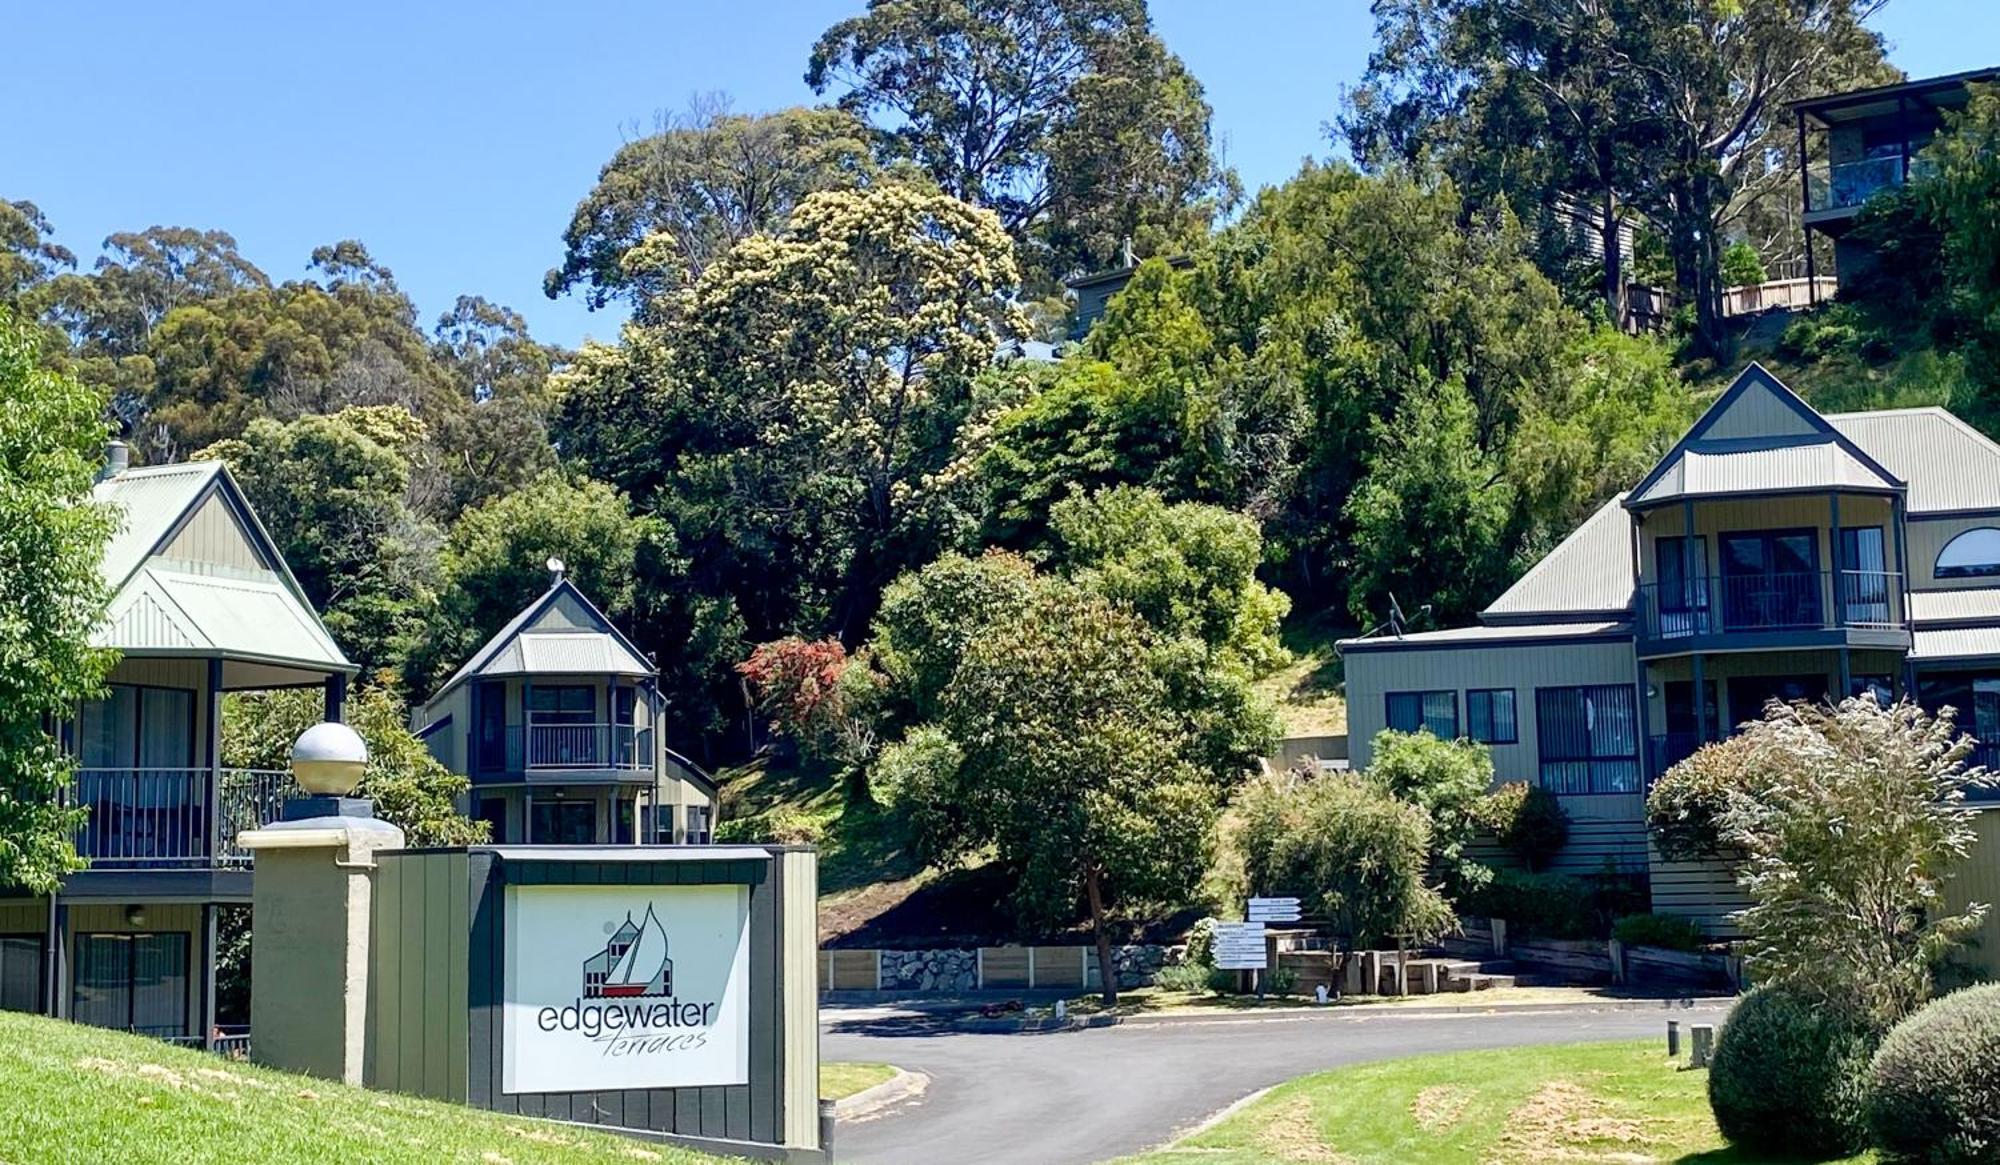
(1683, 585)
(1437, 711)
(133, 982)
(21, 972)
(1588, 739)
(1489, 716)
(562, 823)
(1973, 554)
(1864, 576)
(134, 727)
(565, 704)
(1770, 579)
(697, 825)
(493, 811)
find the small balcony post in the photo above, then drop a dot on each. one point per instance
(1833, 519)
(1700, 702)
(214, 852)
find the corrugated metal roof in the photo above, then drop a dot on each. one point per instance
(1948, 464)
(1966, 606)
(1496, 634)
(1955, 643)
(1590, 572)
(151, 501)
(520, 648)
(1709, 471)
(167, 610)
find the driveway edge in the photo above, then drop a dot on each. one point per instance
(902, 1086)
(1083, 1022)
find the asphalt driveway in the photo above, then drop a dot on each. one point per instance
(1067, 1098)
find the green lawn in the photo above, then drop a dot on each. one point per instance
(1615, 1102)
(840, 1081)
(76, 1093)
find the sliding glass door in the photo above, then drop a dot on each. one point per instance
(133, 982)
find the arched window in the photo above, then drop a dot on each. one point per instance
(1973, 554)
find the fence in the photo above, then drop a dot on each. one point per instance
(950, 970)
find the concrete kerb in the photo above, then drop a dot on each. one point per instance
(867, 1103)
(1032, 1024)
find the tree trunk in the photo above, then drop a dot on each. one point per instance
(1615, 302)
(1107, 972)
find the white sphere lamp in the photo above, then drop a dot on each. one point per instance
(329, 759)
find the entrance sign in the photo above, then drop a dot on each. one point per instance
(1239, 946)
(625, 987)
(1273, 910)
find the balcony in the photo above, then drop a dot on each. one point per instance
(1850, 184)
(174, 818)
(1800, 609)
(568, 749)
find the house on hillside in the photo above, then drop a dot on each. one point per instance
(1867, 141)
(1773, 552)
(203, 604)
(558, 723)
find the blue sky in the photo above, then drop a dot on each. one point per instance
(455, 140)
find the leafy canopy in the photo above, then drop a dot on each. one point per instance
(52, 538)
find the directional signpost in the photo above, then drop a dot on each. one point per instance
(1239, 946)
(1274, 910)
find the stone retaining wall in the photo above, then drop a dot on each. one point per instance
(949, 970)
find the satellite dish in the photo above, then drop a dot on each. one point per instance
(555, 570)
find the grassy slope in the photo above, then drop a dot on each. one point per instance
(77, 1093)
(1307, 690)
(1615, 1102)
(840, 1081)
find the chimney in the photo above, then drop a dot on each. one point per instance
(117, 459)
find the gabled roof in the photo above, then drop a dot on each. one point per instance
(561, 633)
(1760, 438)
(162, 606)
(1588, 575)
(1949, 465)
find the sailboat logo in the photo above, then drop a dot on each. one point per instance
(633, 963)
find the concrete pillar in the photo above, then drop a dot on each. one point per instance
(309, 959)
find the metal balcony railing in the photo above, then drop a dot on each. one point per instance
(581, 746)
(1797, 601)
(158, 817)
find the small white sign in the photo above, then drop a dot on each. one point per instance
(1274, 910)
(625, 987)
(1239, 946)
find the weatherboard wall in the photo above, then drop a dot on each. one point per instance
(440, 941)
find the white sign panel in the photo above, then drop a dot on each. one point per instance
(625, 987)
(1239, 946)
(1274, 910)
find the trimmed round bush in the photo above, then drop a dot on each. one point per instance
(1789, 1074)
(1934, 1085)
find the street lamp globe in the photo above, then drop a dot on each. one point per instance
(329, 759)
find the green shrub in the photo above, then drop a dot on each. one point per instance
(1741, 265)
(1548, 905)
(1685, 806)
(1350, 851)
(1184, 976)
(777, 827)
(1934, 1086)
(1556, 905)
(1446, 779)
(1526, 819)
(1201, 943)
(1658, 930)
(1788, 1075)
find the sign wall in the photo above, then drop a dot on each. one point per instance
(625, 987)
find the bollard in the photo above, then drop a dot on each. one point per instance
(826, 1128)
(1702, 1039)
(1673, 1039)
